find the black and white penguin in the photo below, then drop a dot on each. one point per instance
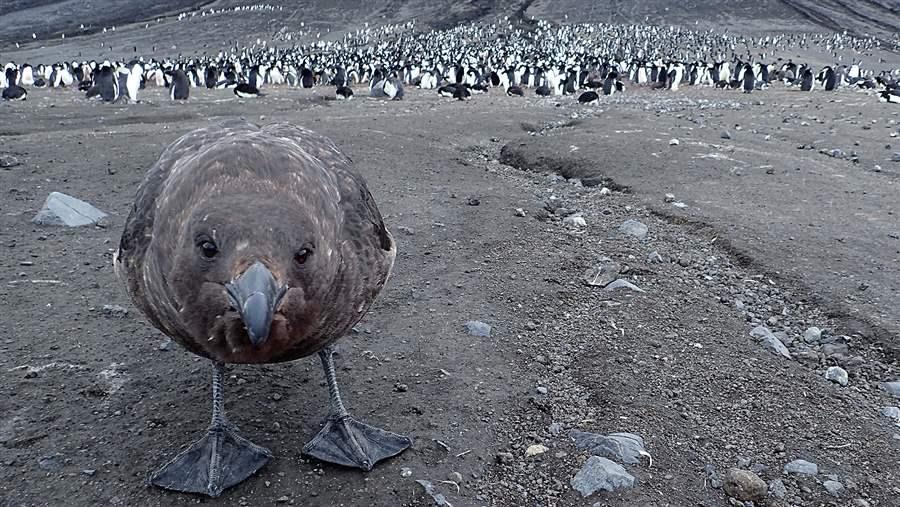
(830, 79)
(246, 91)
(806, 80)
(889, 96)
(447, 90)
(462, 92)
(180, 89)
(478, 88)
(14, 92)
(105, 86)
(749, 81)
(515, 91)
(343, 93)
(589, 97)
(543, 91)
(307, 80)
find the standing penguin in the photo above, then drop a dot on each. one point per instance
(749, 80)
(806, 79)
(106, 85)
(14, 92)
(181, 86)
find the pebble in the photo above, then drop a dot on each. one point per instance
(114, 310)
(744, 485)
(7, 161)
(892, 388)
(860, 502)
(726, 134)
(51, 463)
(519, 212)
(277, 396)
(634, 228)
(439, 499)
(89, 472)
(405, 472)
(455, 477)
(601, 474)
(62, 209)
(834, 488)
(891, 413)
(283, 499)
(670, 198)
(623, 284)
(812, 335)
(837, 374)
(542, 390)
(801, 467)
(673, 142)
(654, 257)
(715, 480)
(406, 230)
(505, 457)
(473, 201)
(575, 221)
(535, 449)
(401, 388)
(624, 447)
(769, 341)
(777, 489)
(478, 328)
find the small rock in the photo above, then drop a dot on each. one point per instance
(51, 463)
(601, 474)
(455, 477)
(777, 489)
(535, 449)
(277, 397)
(623, 284)
(726, 134)
(62, 209)
(603, 273)
(801, 467)
(715, 480)
(655, 258)
(283, 499)
(670, 198)
(860, 502)
(575, 221)
(673, 142)
(541, 390)
(401, 388)
(405, 472)
(837, 374)
(505, 457)
(89, 472)
(605, 191)
(834, 488)
(406, 230)
(892, 388)
(473, 201)
(439, 499)
(634, 228)
(624, 447)
(477, 328)
(555, 429)
(7, 161)
(165, 345)
(812, 335)
(114, 310)
(679, 205)
(519, 212)
(744, 485)
(891, 413)
(769, 341)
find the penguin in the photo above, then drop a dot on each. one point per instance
(542, 91)
(515, 91)
(447, 90)
(14, 92)
(247, 91)
(806, 80)
(889, 96)
(343, 92)
(306, 78)
(749, 81)
(105, 86)
(589, 97)
(180, 89)
(393, 88)
(478, 88)
(462, 92)
(830, 81)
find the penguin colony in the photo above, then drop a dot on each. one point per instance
(521, 58)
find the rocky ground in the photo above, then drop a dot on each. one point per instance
(93, 399)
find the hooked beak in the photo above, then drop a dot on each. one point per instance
(255, 295)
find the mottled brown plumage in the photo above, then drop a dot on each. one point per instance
(260, 194)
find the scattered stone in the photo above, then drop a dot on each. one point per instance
(541, 390)
(114, 311)
(406, 230)
(834, 488)
(860, 502)
(837, 374)
(769, 341)
(7, 161)
(605, 191)
(601, 474)
(891, 413)
(744, 485)
(51, 462)
(89, 472)
(715, 480)
(575, 221)
(673, 142)
(519, 212)
(603, 273)
(655, 258)
(801, 467)
(439, 499)
(62, 209)
(535, 449)
(477, 328)
(679, 205)
(455, 477)
(624, 447)
(405, 472)
(555, 429)
(812, 335)
(892, 388)
(505, 457)
(777, 489)
(623, 284)
(726, 134)
(401, 388)
(165, 345)
(473, 201)
(670, 198)
(634, 228)
(283, 499)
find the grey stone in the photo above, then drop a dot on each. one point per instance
(89, 472)
(555, 429)
(575, 221)
(860, 502)
(62, 209)
(783, 337)
(830, 349)
(744, 485)
(777, 489)
(892, 388)
(114, 310)
(603, 273)
(478, 328)
(891, 413)
(715, 480)
(51, 462)
(624, 447)
(601, 474)
(726, 134)
(834, 488)
(634, 228)
(769, 341)
(654, 257)
(439, 499)
(623, 284)
(7, 161)
(837, 374)
(896, 156)
(801, 467)
(812, 335)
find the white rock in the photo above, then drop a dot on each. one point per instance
(673, 142)
(575, 220)
(601, 474)
(535, 449)
(837, 374)
(62, 209)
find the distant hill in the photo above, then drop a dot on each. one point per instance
(49, 18)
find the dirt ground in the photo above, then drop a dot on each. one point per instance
(93, 399)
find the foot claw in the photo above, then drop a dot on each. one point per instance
(348, 442)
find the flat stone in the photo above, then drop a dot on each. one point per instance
(770, 342)
(7, 161)
(838, 375)
(744, 485)
(725, 134)
(801, 467)
(834, 488)
(624, 447)
(535, 449)
(51, 463)
(575, 221)
(777, 489)
(892, 388)
(623, 284)
(654, 257)
(601, 474)
(812, 335)
(603, 273)
(62, 209)
(673, 142)
(478, 328)
(891, 413)
(439, 499)
(634, 228)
